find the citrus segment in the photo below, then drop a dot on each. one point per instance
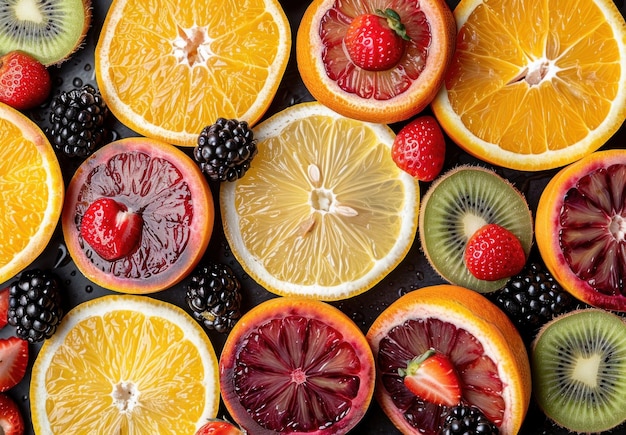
(528, 87)
(581, 228)
(125, 364)
(162, 185)
(478, 338)
(388, 95)
(296, 365)
(323, 211)
(168, 69)
(31, 192)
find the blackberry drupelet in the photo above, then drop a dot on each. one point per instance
(532, 298)
(35, 304)
(225, 149)
(77, 119)
(214, 296)
(467, 419)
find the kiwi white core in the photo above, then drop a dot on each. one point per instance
(586, 370)
(26, 10)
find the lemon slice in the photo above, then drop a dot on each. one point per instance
(323, 212)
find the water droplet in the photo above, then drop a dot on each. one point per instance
(63, 256)
(114, 135)
(77, 82)
(89, 289)
(420, 275)
(25, 398)
(87, 67)
(73, 273)
(402, 291)
(358, 317)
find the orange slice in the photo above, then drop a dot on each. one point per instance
(125, 364)
(31, 192)
(487, 351)
(534, 88)
(323, 211)
(385, 96)
(168, 69)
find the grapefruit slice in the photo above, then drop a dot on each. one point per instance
(167, 189)
(296, 365)
(383, 96)
(125, 364)
(581, 229)
(487, 351)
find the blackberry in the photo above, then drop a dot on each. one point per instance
(225, 149)
(467, 419)
(532, 298)
(214, 296)
(35, 304)
(77, 119)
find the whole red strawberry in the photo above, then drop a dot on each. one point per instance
(420, 148)
(219, 427)
(111, 229)
(4, 307)
(11, 420)
(433, 378)
(376, 42)
(493, 253)
(24, 81)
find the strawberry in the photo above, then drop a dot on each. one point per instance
(24, 82)
(493, 253)
(4, 307)
(376, 42)
(13, 361)
(219, 427)
(419, 148)
(432, 377)
(111, 229)
(11, 420)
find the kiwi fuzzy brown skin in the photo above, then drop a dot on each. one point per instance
(594, 419)
(518, 207)
(79, 42)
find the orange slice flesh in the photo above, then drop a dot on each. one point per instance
(166, 69)
(125, 364)
(31, 192)
(535, 87)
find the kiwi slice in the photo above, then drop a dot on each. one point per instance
(578, 364)
(455, 206)
(49, 30)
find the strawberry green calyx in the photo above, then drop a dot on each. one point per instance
(413, 365)
(394, 21)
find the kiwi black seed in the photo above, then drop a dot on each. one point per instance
(49, 30)
(578, 365)
(458, 203)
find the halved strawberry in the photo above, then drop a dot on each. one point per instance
(432, 377)
(13, 361)
(4, 307)
(11, 420)
(111, 229)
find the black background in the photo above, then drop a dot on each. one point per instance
(413, 273)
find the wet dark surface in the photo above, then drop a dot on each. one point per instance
(413, 273)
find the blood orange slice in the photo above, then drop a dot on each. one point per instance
(581, 229)
(382, 96)
(161, 184)
(296, 365)
(479, 339)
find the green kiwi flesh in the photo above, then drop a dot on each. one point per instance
(49, 30)
(455, 206)
(578, 364)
